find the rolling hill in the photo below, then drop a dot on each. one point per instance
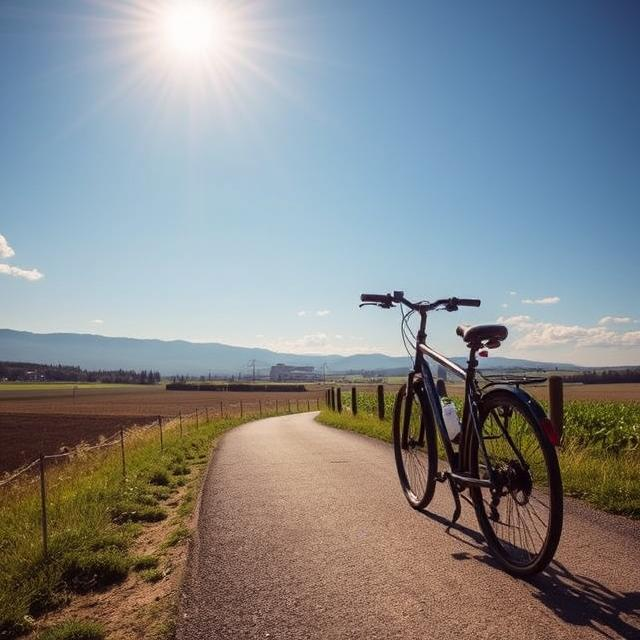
(179, 357)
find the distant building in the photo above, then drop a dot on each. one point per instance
(284, 372)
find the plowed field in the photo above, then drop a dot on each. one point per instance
(37, 421)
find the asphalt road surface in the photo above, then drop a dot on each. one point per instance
(303, 532)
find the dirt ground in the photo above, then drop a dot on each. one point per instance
(43, 421)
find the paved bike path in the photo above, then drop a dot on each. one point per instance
(303, 533)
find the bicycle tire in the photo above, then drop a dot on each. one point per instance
(416, 459)
(524, 533)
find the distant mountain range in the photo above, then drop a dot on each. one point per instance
(179, 357)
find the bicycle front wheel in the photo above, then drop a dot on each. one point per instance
(520, 517)
(414, 445)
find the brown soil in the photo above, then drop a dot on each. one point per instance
(25, 435)
(42, 422)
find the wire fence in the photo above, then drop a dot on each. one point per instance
(37, 473)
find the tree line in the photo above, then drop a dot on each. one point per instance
(30, 371)
(610, 376)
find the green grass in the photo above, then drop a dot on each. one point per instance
(145, 562)
(93, 517)
(73, 630)
(599, 459)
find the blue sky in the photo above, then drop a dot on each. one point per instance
(461, 148)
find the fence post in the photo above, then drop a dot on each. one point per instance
(260, 407)
(241, 409)
(339, 399)
(277, 410)
(354, 401)
(206, 412)
(197, 419)
(317, 404)
(180, 416)
(124, 467)
(308, 405)
(289, 406)
(556, 401)
(381, 402)
(43, 500)
(161, 438)
(221, 410)
(297, 406)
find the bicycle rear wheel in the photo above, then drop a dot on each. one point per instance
(414, 445)
(521, 519)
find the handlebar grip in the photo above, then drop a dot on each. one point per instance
(467, 302)
(384, 298)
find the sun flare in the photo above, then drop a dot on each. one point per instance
(192, 30)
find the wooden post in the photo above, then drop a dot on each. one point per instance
(339, 399)
(206, 411)
(308, 405)
(381, 402)
(297, 405)
(317, 404)
(221, 410)
(241, 409)
(277, 410)
(124, 467)
(289, 406)
(43, 502)
(260, 407)
(197, 419)
(161, 438)
(354, 401)
(180, 417)
(556, 403)
(333, 399)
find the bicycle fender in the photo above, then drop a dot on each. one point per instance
(530, 402)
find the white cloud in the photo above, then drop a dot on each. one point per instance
(615, 320)
(548, 300)
(504, 305)
(513, 293)
(97, 321)
(532, 334)
(5, 250)
(27, 274)
(321, 344)
(301, 313)
(323, 312)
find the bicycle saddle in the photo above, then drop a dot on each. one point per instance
(493, 334)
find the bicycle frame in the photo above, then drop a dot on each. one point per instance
(470, 419)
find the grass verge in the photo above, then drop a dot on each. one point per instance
(608, 480)
(95, 518)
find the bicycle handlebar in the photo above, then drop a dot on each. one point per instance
(386, 301)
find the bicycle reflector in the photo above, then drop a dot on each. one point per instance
(551, 432)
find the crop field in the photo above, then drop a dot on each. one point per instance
(44, 420)
(600, 452)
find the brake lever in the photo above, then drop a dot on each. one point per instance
(376, 304)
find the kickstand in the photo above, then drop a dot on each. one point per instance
(456, 499)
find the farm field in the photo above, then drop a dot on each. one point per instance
(575, 391)
(43, 420)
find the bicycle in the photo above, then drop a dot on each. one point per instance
(506, 453)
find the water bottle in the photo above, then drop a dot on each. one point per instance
(450, 416)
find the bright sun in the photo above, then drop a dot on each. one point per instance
(194, 29)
